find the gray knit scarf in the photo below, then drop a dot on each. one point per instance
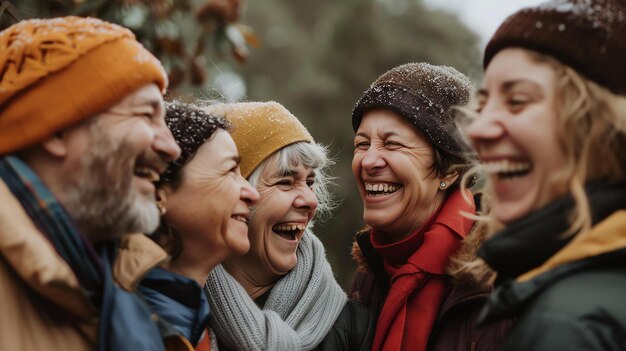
(300, 310)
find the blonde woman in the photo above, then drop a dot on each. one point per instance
(551, 133)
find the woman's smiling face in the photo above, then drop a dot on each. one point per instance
(516, 136)
(286, 206)
(393, 168)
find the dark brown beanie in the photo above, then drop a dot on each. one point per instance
(191, 127)
(587, 35)
(424, 94)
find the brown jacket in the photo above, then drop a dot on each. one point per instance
(42, 305)
(456, 326)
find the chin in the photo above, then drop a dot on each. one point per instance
(143, 216)
(509, 213)
(288, 265)
(377, 220)
(240, 248)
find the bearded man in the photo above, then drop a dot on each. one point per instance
(82, 140)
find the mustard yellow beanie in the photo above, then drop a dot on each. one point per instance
(57, 72)
(260, 129)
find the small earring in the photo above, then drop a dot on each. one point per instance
(442, 185)
(161, 207)
(160, 202)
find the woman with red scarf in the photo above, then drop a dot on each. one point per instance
(408, 164)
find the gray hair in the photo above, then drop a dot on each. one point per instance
(312, 155)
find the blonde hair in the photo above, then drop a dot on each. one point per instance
(591, 131)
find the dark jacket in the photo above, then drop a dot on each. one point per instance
(179, 301)
(353, 330)
(572, 296)
(456, 325)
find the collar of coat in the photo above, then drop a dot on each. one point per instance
(604, 244)
(35, 261)
(607, 236)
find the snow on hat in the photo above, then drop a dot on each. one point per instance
(57, 72)
(259, 129)
(191, 127)
(424, 94)
(587, 35)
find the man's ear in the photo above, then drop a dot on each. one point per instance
(55, 145)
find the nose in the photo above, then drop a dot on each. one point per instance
(487, 127)
(165, 144)
(372, 159)
(306, 199)
(249, 194)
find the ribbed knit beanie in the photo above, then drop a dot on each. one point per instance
(424, 94)
(587, 35)
(259, 129)
(57, 72)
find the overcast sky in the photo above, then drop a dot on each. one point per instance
(482, 16)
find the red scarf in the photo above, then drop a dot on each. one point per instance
(416, 266)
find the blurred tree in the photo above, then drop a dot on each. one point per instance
(317, 59)
(179, 32)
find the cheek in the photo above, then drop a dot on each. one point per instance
(139, 133)
(356, 165)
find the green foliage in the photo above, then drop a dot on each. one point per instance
(181, 33)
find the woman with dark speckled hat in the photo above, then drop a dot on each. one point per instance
(409, 161)
(205, 208)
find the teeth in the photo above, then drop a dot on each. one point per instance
(384, 187)
(506, 167)
(288, 227)
(148, 173)
(241, 219)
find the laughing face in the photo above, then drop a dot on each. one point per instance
(392, 165)
(114, 159)
(210, 206)
(287, 205)
(515, 134)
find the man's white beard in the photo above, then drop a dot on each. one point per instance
(102, 199)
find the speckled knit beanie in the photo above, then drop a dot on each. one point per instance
(587, 35)
(260, 129)
(56, 72)
(191, 127)
(424, 94)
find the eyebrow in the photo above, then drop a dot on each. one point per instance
(509, 85)
(288, 173)
(386, 135)
(293, 172)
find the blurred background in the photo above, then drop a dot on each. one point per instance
(314, 57)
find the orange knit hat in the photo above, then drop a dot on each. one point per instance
(57, 72)
(259, 129)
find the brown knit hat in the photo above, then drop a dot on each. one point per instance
(259, 129)
(57, 72)
(587, 35)
(424, 94)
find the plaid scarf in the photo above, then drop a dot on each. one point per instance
(120, 311)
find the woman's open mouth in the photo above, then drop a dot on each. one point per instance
(378, 189)
(289, 231)
(508, 169)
